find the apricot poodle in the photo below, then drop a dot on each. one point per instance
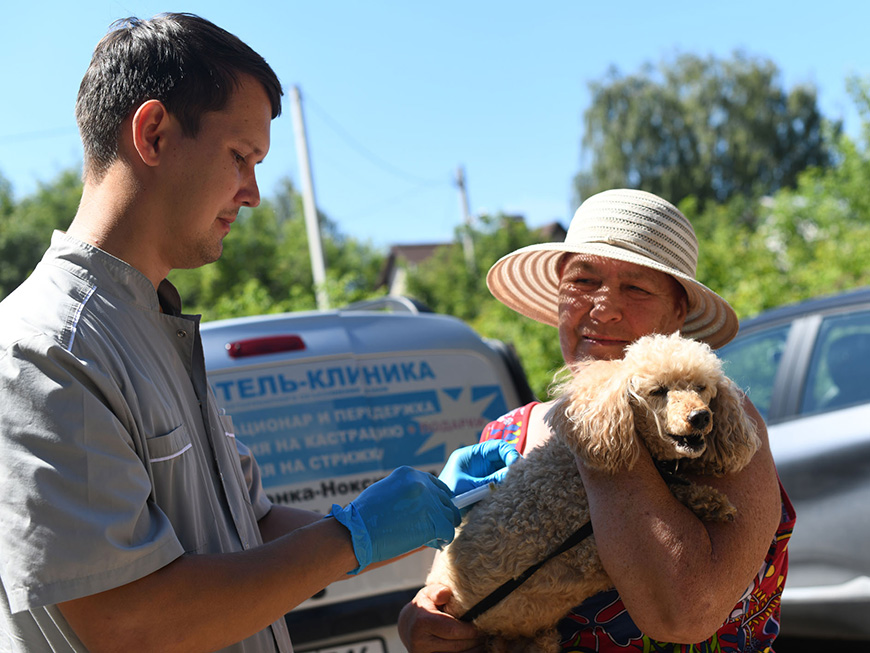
(669, 394)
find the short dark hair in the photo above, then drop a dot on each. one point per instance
(188, 63)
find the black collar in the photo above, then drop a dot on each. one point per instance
(668, 470)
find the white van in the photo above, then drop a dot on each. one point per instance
(332, 401)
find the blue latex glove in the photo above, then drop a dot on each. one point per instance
(398, 514)
(478, 464)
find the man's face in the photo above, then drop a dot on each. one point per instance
(212, 176)
(604, 305)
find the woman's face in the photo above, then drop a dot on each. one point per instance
(605, 304)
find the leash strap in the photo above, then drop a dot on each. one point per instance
(510, 585)
(668, 470)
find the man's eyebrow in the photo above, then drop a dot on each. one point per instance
(255, 149)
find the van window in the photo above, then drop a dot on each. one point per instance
(752, 362)
(839, 374)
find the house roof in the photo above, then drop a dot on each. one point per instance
(419, 252)
(412, 254)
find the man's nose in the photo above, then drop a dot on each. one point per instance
(249, 193)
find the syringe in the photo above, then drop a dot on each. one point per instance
(473, 496)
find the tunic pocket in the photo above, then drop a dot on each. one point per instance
(178, 487)
(164, 448)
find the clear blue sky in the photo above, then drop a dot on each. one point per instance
(398, 94)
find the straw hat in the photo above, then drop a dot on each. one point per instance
(626, 225)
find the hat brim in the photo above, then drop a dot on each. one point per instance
(527, 281)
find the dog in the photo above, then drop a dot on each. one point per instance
(669, 394)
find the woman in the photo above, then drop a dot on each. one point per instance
(627, 269)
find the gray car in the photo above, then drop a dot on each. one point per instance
(807, 369)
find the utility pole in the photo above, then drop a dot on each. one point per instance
(309, 207)
(467, 242)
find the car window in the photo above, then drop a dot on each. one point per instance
(751, 362)
(839, 373)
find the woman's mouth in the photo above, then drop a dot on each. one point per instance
(602, 340)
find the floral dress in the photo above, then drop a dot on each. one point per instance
(601, 624)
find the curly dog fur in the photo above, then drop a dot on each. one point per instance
(668, 392)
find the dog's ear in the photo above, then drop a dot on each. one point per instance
(734, 439)
(594, 416)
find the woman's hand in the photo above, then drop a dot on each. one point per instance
(425, 628)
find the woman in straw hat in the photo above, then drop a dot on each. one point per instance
(625, 270)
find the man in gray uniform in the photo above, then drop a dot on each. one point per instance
(132, 519)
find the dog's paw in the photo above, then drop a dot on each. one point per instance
(708, 503)
(548, 641)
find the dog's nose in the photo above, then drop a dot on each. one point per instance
(699, 419)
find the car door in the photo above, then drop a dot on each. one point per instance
(809, 376)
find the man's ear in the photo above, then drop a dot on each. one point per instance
(151, 126)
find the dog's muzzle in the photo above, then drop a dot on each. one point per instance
(692, 444)
(699, 419)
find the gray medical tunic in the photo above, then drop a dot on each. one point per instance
(115, 458)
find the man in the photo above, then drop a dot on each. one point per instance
(132, 518)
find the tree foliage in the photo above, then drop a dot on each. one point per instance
(26, 226)
(265, 267)
(808, 235)
(710, 128)
(798, 243)
(447, 284)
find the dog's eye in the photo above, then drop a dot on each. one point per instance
(660, 391)
(700, 388)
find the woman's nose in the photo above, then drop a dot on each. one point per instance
(605, 308)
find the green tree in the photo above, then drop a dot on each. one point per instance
(710, 128)
(447, 284)
(26, 227)
(266, 268)
(798, 243)
(7, 203)
(819, 232)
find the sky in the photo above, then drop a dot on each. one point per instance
(398, 96)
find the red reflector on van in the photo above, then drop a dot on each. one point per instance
(267, 345)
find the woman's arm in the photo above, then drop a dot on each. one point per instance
(679, 577)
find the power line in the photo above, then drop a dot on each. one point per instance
(372, 209)
(44, 133)
(365, 152)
